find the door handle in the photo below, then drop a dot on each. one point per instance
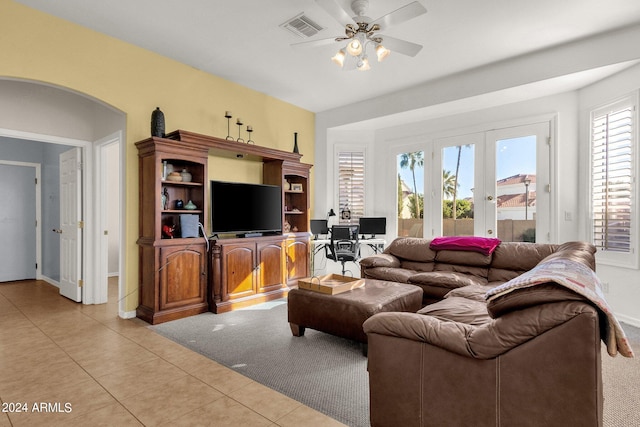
(57, 230)
(490, 198)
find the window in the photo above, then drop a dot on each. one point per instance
(612, 178)
(350, 186)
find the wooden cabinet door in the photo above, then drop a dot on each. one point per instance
(271, 269)
(238, 273)
(182, 276)
(297, 251)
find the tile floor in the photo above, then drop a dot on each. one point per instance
(68, 364)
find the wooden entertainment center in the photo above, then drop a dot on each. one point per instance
(178, 277)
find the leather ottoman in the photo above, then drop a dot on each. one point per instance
(343, 314)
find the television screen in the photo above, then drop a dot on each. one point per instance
(373, 225)
(245, 208)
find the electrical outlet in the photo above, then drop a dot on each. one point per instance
(605, 287)
(568, 216)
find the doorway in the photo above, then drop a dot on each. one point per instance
(26, 144)
(19, 220)
(495, 184)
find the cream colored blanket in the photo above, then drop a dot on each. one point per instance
(580, 279)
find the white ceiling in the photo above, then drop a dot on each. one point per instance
(242, 41)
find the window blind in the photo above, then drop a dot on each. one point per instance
(350, 186)
(612, 178)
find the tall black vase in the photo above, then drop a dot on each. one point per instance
(295, 143)
(157, 123)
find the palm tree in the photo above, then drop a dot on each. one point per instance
(455, 187)
(448, 184)
(411, 161)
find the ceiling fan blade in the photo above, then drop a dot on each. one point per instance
(401, 46)
(401, 15)
(333, 8)
(313, 43)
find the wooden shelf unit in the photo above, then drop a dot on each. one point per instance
(177, 277)
(173, 271)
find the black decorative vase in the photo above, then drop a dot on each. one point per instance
(295, 143)
(157, 123)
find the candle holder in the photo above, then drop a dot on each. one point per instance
(249, 130)
(228, 115)
(239, 123)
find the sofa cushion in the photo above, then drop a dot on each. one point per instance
(511, 259)
(411, 249)
(528, 297)
(582, 252)
(472, 292)
(417, 266)
(457, 309)
(463, 258)
(390, 274)
(448, 279)
(480, 273)
(380, 260)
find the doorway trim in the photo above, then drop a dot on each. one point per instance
(87, 198)
(101, 257)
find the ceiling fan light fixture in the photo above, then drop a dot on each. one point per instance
(382, 52)
(338, 58)
(363, 64)
(354, 47)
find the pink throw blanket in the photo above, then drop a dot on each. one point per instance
(484, 245)
(580, 279)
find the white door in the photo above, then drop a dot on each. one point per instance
(70, 224)
(499, 180)
(517, 182)
(17, 222)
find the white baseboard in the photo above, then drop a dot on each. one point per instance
(50, 281)
(127, 314)
(628, 320)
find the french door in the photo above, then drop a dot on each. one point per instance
(493, 184)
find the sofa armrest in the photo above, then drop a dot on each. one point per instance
(417, 327)
(380, 260)
(486, 341)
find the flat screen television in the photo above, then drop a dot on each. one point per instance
(373, 225)
(245, 209)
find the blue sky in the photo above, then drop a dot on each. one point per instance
(514, 156)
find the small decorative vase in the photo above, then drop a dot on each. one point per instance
(186, 176)
(157, 123)
(179, 204)
(190, 205)
(295, 143)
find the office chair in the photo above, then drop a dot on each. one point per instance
(344, 246)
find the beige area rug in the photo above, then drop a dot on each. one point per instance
(621, 381)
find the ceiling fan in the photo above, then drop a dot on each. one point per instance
(361, 32)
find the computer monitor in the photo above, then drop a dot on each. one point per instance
(344, 232)
(373, 225)
(319, 226)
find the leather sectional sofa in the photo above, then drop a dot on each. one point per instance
(531, 357)
(411, 260)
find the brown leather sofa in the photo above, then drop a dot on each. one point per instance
(411, 260)
(528, 358)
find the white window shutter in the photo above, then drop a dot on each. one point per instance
(612, 174)
(350, 186)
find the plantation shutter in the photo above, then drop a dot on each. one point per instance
(612, 177)
(350, 186)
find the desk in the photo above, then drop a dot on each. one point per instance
(319, 244)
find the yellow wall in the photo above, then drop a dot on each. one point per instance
(40, 47)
